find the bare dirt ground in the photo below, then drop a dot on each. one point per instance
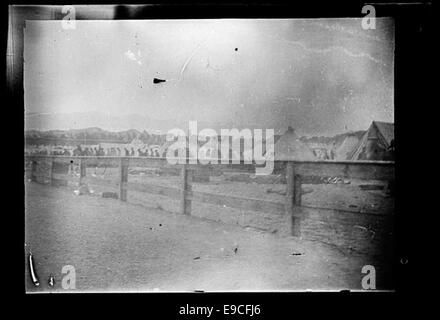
(126, 246)
(355, 219)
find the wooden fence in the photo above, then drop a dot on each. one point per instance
(295, 172)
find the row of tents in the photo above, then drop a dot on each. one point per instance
(377, 143)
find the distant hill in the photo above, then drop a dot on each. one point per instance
(99, 119)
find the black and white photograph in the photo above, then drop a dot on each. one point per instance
(206, 155)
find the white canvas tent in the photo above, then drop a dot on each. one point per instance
(136, 143)
(347, 148)
(290, 147)
(376, 142)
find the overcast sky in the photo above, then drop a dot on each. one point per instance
(322, 76)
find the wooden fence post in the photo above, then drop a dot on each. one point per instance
(123, 170)
(297, 190)
(82, 171)
(52, 166)
(186, 189)
(293, 200)
(34, 171)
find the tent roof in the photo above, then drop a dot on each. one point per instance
(386, 129)
(347, 148)
(290, 147)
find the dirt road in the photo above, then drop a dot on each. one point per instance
(121, 246)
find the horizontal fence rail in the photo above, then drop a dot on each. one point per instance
(296, 173)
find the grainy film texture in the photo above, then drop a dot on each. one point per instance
(214, 155)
